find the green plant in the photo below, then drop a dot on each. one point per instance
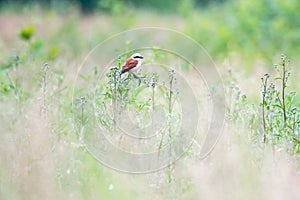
(153, 84)
(27, 33)
(280, 114)
(18, 92)
(45, 70)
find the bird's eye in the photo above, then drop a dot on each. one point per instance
(141, 57)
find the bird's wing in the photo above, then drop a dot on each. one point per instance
(130, 63)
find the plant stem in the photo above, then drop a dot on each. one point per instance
(82, 110)
(265, 82)
(153, 103)
(170, 108)
(170, 94)
(115, 100)
(283, 93)
(44, 86)
(82, 102)
(16, 93)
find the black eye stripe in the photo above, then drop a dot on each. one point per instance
(141, 57)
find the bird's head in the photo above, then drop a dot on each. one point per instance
(137, 57)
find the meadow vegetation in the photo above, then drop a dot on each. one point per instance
(44, 115)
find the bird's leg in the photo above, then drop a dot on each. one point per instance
(139, 78)
(128, 76)
(131, 74)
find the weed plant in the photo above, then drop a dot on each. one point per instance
(142, 100)
(275, 121)
(280, 115)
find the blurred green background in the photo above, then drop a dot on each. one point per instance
(46, 160)
(108, 5)
(251, 30)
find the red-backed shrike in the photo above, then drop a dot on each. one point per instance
(132, 63)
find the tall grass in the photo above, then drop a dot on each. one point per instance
(43, 157)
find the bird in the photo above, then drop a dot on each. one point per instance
(132, 64)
